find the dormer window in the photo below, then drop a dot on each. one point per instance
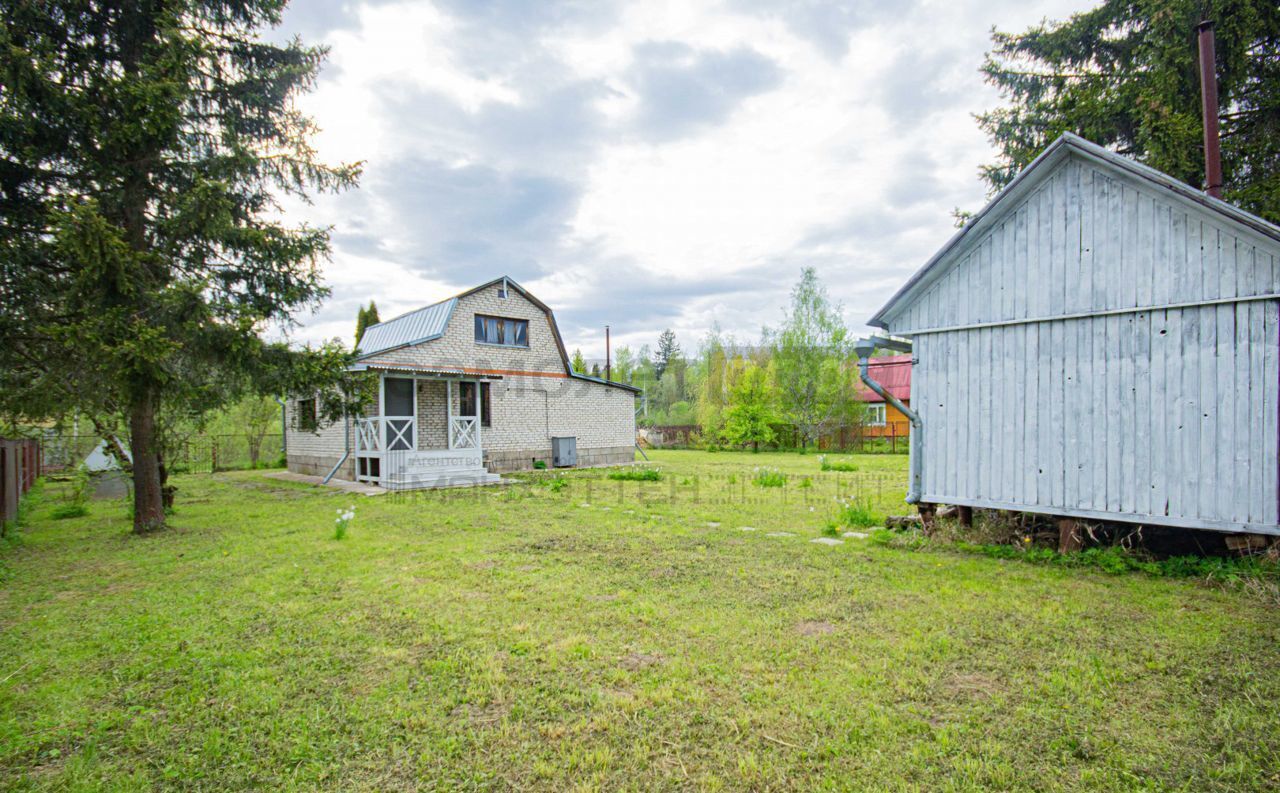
(502, 331)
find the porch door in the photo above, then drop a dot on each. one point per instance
(399, 409)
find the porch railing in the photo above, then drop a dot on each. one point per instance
(464, 433)
(369, 435)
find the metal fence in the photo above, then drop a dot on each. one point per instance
(20, 462)
(199, 454)
(890, 438)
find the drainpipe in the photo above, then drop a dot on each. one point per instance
(346, 454)
(284, 427)
(864, 348)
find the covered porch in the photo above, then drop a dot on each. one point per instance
(424, 430)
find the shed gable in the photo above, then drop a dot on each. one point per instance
(1087, 237)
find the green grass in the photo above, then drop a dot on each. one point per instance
(826, 463)
(606, 635)
(636, 475)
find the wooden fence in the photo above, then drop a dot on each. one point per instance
(20, 462)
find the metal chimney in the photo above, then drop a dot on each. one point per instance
(1209, 108)
(608, 358)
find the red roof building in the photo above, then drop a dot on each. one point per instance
(894, 373)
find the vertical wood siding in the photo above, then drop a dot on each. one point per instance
(1089, 240)
(1103, 349)
(1170, 414)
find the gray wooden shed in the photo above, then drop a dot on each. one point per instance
(1101, 341)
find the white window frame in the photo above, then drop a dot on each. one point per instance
(876, 414)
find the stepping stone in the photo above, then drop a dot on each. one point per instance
(712, 524)
(748, 528)
(857, 535)
(585, 506)
(827, 541)
(780, 534)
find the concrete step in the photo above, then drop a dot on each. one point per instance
(469, 477)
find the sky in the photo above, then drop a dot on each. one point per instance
(645, 165)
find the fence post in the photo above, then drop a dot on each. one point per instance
(8, 483)
(213, 454)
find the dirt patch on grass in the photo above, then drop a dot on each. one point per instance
(815, 628)
(970, 685)
(636, 661)
(480, 715)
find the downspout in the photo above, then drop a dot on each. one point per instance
(284, 427)
(864, 348)
(346, 440)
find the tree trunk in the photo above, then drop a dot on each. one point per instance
(148, 498)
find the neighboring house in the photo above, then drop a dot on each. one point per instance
(476, 384)
(1101, 341)
(883, 420)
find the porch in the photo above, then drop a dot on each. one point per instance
(426, 432)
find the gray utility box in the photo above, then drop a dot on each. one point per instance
(564, 452)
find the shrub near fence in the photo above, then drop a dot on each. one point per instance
(205, 454)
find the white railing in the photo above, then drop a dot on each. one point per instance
(464, 433)
(369, 435)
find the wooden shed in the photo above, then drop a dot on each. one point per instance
(1101, 341)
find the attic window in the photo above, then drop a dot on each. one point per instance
(498, 330)
(502, 290)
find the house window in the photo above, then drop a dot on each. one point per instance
(875, 415)
(304, 415)
(467, 401)
(499, 330)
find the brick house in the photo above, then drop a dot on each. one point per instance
(883, 420)
(467, 387)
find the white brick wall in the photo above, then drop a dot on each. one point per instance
(527, 410)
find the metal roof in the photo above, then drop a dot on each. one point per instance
(891, 371)
(1067, 144)
(417, 326)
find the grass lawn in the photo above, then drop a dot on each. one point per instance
(603, 635)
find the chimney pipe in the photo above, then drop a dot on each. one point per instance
(608, 357)
(1209, 108)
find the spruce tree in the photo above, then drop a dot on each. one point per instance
(143, 147)
(1126, 75)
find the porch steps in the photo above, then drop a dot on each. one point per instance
(461, 477)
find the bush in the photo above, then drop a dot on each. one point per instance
(636, 475)
(769, 477)
(539, 465)
(827, 464)
(556, 483)
(76, 504)
(857, 514)
(63, 511)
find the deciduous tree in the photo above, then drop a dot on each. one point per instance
(750, 414)
(812, 360)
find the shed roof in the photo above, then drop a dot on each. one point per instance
(891, 371)
(1031, 176)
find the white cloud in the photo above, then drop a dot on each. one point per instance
(651, 164)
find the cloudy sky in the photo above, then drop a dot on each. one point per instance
(646, 164)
